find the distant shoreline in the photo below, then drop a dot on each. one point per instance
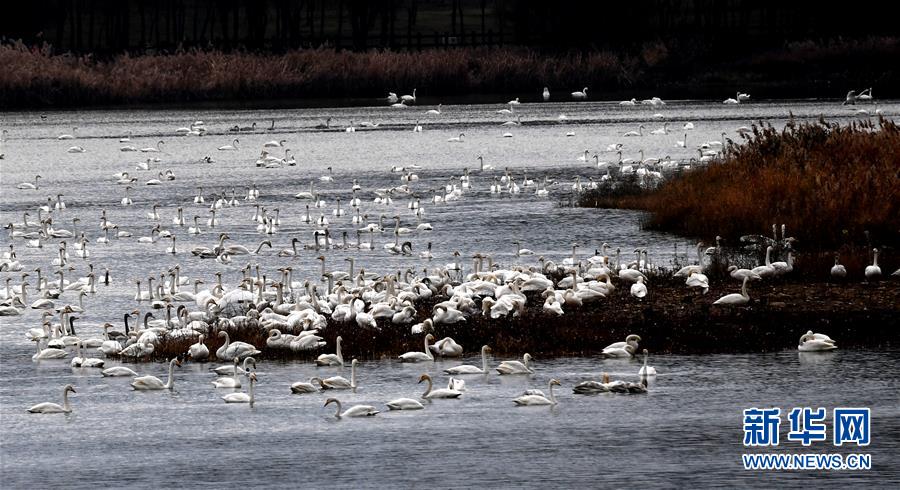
(36, 77)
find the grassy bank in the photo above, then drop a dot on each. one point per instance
(39, 77)
(833, 186)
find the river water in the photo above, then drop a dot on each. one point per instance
(686, 431)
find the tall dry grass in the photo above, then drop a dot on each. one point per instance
(35, 76)
(832, 186)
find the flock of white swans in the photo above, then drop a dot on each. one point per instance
(291, 313)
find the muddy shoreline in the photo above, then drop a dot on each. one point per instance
(671, 319)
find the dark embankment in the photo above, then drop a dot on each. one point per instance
(671, 319)
(39, 76)
(833, 186)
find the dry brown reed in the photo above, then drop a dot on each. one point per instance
(833, 186)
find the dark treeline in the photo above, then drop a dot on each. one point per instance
(722, 26)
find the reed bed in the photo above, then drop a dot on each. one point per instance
(835, 187)
(35, 76)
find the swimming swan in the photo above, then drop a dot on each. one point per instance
(815, 342)
(516, 367)
(431, 393)
(154, 383)
(538, 399)
(416, 356)
(354, 411)
(48, 407)
(470, 369)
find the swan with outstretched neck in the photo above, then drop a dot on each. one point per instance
(470, 369)
(154, 383)
(645, 369)
(336, 359)
(49, 407)
(735, 299)
(242, 397)
(416, 356)
(340, 382)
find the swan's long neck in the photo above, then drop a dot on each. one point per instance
(353, 376)
(252, 398)
(427, 390)
(171, 381)
(427, 351)
(744, 289)
(769, 257)
(552, 396)
(875, 260)
(66, 405)
(484, 367)
(337, 413)
(338, 353)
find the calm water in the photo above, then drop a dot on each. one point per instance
(686, 431)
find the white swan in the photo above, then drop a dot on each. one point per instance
(409, 98)
(645, 369)
(538, 399)
(580, 95)
(340, 382)
(404, 404)
(435, 111)
(838, 271)
(48, 353)
(447, 347)
(416, 356)
(457, 139)
(232, 146)
(233, 382)
(355, 410)
(118, 371)
(873, 271)
(546, 94)
(85, 362)
(68, 136)
(332, 359)
(230, 369)
(29, 185)
(765, 270)
(735, 299)
(198, 351)
(152, 149)
(470, 369)
(815, 342)
(639, 132)
(431, 393)
(242, 397)
(48, 407)
(516, 367)
(301, 387)
(639, 289)
(154, 383)
(230, 350)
